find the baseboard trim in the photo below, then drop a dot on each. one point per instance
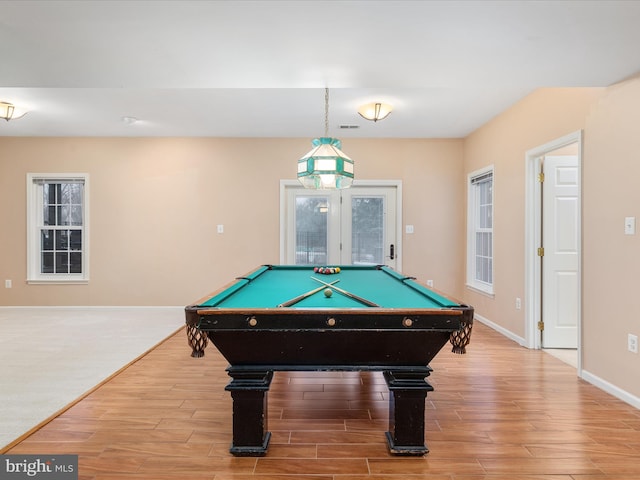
(510, 335)
(611, 389)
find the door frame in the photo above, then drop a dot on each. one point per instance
(533, 229)
(397, 184)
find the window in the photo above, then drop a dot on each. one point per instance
(480, 231)
(57, 228)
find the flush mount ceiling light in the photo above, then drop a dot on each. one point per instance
(8, 111)
(325, 167)
(375, 111)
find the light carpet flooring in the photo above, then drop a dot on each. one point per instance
(49, 357)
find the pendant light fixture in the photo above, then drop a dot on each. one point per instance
(325, 167)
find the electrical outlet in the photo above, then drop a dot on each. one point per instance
(429, 283)
(8, 284)
(629, 225)
(632, 343)
(518, 304)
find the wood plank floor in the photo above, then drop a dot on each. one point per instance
(501, 412)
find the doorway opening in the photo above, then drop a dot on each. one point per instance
(553, 239)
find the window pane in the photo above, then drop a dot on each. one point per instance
(75, 262)
(64, 215)
(62, 239)
(367, 230)
(478, 268)
(484, 216)
(46, 240)
(75, 193)
(62, 262)
(76, 215)
(75, 240)
(312, 230)
(47, 262)
(65, 193)
(49, 190)
(48, 215)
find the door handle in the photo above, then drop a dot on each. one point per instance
(391, 251)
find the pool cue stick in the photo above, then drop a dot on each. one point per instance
(348, 294)
(295, 300)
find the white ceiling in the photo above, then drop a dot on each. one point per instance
(259, 68)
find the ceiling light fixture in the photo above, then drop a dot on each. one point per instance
(375, 111)
(325, 167)
(7, 110)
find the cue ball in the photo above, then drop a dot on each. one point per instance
(328, 292)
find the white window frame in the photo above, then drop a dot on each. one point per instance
(472, 228)
(34, 224)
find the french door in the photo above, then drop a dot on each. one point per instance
(342, 227)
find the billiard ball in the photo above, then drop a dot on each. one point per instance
(328, 292)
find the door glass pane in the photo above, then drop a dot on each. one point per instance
(312, 215)
(367, 230)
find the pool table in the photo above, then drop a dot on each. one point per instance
(284, 318)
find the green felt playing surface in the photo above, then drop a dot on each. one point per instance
(268, 287)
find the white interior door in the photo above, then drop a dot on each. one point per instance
(561, 242)
(354, 226)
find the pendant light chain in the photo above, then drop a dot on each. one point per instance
(326, 112)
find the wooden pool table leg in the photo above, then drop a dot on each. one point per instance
(406, 410)
(249, 390)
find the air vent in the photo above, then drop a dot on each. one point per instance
(349, 127)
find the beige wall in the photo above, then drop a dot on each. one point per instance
(155, 204)
(541, 117)
(611, 259)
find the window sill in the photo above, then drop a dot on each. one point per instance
(58, 281)
(486, 293)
